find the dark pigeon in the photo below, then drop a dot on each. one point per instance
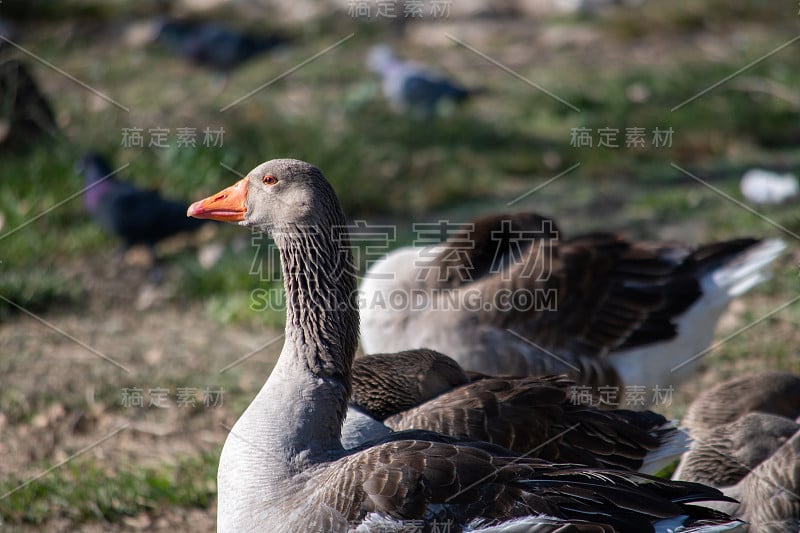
(7, 33)
(212, 45)
(136, 216)
(25, 113)
(411, 87)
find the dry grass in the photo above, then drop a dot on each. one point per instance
(623, 69)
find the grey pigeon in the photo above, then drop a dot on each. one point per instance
(412, 87)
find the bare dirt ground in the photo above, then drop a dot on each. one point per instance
(168, 520)
(64, 391)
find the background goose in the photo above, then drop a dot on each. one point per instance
(283, 467)
(600, 308)
(423, 389)
(727, 453)
(756, 460)
(747, 442)
(770, 494)
(772, 392)
(386, 384)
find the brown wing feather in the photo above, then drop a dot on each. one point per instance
(609, 293)
(402, 478)
(533, 416)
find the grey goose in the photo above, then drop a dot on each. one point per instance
(601, 308)
(283, 468)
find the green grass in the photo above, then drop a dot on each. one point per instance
(667, 471)
(36, 291)
(386, 165)
(389, 168)
(684, 17)
(83, 490)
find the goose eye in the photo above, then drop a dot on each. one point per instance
(269, 179)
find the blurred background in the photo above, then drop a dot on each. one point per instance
(121, 367)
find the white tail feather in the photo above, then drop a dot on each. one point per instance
(665, 364)
(674, 443)
(738, 276)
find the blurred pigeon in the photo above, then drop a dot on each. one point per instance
(765, 187)
(25, 114)
(134, 215)
(412, 87)
(212, 45)
(592, 6)
(7, 33)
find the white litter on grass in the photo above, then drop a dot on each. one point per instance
(209, 254)
(766, 187)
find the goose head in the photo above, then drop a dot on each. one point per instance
(275, 194)
(386, 384)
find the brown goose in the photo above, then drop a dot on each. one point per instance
(725, 454)
(770, 494)
(423, 389)
(512, 296)
(387, 384)
(772, 392)
(756, 460)
(747, 442)
(283, 467)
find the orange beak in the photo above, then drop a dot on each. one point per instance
(228, 205)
